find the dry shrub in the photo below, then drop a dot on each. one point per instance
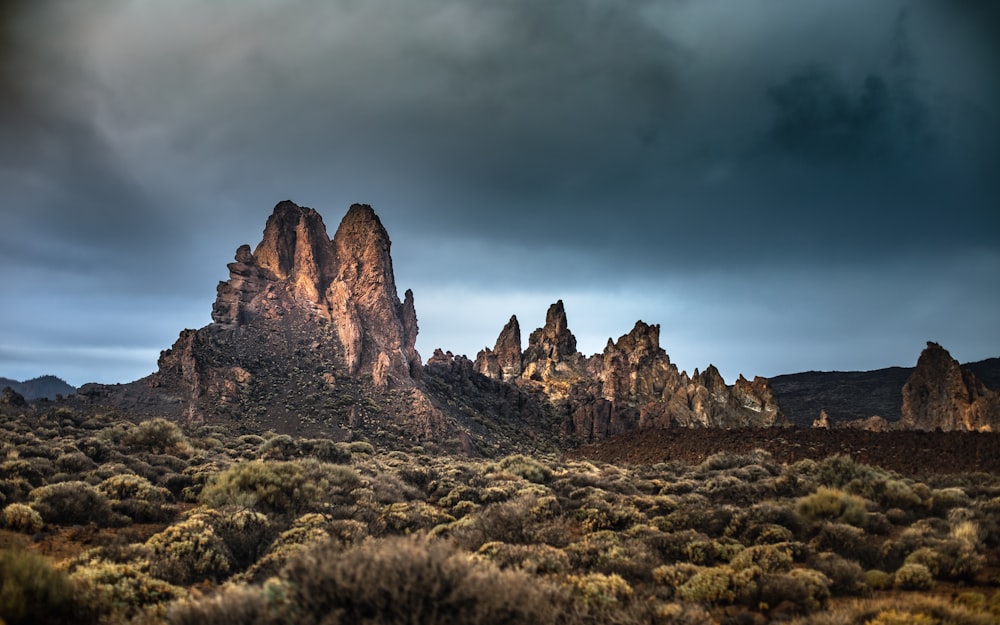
(833, 504)
(112, 592)
(21, 518)
(413, 580)
(156, 435)
(914, 576)
(189, 552)
(137, 498)
(32, 591)
(71, 503)
(528, 468)
(284, 487)
(535, 559)
(410, 516)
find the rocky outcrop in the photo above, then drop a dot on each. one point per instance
(297, 270)
(940, 395)
(631, 384)
(503, 362)
(309, 336)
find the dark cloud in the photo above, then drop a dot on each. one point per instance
(696, 160)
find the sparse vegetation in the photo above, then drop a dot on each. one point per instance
(203, 527)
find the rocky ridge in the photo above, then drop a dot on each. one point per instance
(630, 385)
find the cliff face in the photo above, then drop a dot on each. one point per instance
(298, 271)
(941, 395)
(631, 385)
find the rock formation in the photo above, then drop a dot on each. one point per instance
(503, 362)
(941, 395)
(297, 270)
(632, 384)
(309, 336)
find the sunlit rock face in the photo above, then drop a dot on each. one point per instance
(631, 384)
(348, 281)
(309, 336)
(942, 395)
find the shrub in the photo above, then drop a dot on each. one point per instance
(534, 559)
(598, 590)
(32, 591)
(279, 486)
(412, 580)
(846, 576)
(709, 585)
(70, 503)
(137, 498)
(189, 551)
(74, 462)
(913, 576)
(528, 468)
(22, 518)
(878, 580)
(832, 504)
(113, 592)
(768, 558)
(156, 435)
(847, 541)
(675, 575)
(806, 589)
(410, 516)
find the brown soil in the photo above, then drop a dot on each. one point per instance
(915, 454)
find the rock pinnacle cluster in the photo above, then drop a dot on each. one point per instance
(309, 336)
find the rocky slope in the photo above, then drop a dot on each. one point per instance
(630, 385)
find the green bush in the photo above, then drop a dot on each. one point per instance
(32, 591)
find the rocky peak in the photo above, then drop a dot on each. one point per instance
(374, 327)
(503, 362)
(553, 341)
(508, 349)
(940, 395)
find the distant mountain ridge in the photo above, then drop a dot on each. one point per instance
(853, 395)
(45, 386)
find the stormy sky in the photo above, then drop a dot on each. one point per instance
(783, 186)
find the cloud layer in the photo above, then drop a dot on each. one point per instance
(782, 186)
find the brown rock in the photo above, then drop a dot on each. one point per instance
(503, 362)
(940, 395)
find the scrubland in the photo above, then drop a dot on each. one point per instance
(107, 521)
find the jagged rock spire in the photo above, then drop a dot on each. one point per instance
(298, 270)
(941, 395)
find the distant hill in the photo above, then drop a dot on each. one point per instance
(47, 386)
(851, 395)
